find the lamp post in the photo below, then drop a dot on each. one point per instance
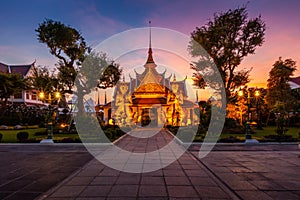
(248, 136)
(50, 114)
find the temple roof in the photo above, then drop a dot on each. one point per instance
(16, 69)
(150, 57)
(296, 80)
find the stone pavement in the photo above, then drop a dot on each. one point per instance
(29, 170)
(257, 174)
(241, 172)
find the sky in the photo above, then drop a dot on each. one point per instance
(99, 20)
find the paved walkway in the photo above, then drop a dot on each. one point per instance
(29, 170)
(253, 173)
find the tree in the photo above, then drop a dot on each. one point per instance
(228, 39)
(11, 84)
(279, 90)
(97, 71)
(66, 44)
(76, 61)
(280, 98)
(110, 77)
(44, 80)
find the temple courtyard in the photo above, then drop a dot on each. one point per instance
(229, 171)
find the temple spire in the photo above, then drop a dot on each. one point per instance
(150, 58)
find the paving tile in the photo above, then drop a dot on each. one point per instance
(253, 176)
(240, 169)
(196, 173)
(211, 192)
(289, 184)
(124, 191)
(23, 196)
(181, 191)
(266, 185)
(80, 180)
(177, 180)
(152, 180)
(154, 173)
(156, 198)
(121, 198)
(173, 172)
(152, 191)
(96, 191)
(15, 185)
(202, 181)
(128, 180)
(242, 185)
(109, 172)
(68, 191)
(104, 180)
(192, 166)
(250, 195)
(5, 194)
(283, 195)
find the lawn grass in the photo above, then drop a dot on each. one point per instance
(10, 136)
(259, 134)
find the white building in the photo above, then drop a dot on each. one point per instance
(28, 97)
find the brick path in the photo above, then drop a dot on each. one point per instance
(27, 171)
(184, 178)
(228, 172)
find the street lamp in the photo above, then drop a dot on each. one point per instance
(51, 97)
(248, 123)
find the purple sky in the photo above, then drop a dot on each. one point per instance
(98, 20)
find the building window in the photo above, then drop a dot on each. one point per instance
(34, 96)
(18, 95)
(27, 95)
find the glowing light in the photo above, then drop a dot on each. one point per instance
(41, 95)
(57, 95)
(257, 93)
(241, 93)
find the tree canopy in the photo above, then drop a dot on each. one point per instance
(11, 84)
(66, 44)
(280, 94)
(228, 38)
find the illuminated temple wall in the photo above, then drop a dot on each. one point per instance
(151, 98)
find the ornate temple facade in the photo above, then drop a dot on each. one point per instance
(151, 98)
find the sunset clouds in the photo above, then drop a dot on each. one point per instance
(98, 20)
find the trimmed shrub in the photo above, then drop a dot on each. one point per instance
(1, 136)
(22, 136)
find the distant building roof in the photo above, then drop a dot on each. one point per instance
(296, 80)
(295, 83)
(3, 68)
(15, 69)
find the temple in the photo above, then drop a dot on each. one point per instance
(151, 98)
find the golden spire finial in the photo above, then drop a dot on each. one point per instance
(150, 58)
